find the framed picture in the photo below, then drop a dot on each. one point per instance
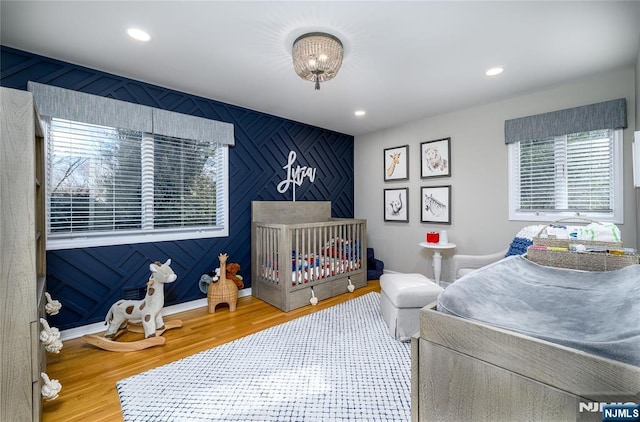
(396, 163)
(435, 158)
(436, 204)
(396, 205)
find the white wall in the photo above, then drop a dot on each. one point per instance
(638, 128)
(638, 88)
(478, 172)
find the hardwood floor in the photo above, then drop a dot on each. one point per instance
(89, 375)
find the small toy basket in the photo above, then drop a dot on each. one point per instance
(561, 253)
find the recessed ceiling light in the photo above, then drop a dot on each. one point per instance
(138, 34)
(494, 71)
(360, 113)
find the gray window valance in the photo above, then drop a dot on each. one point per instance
(606, 115)
(179, 125)
(67, 104)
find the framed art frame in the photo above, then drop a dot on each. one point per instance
(396, 163)
(435, 158)
(435, 204)
(396, 205)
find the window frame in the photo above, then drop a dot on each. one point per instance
(615, 216)
(86, 239)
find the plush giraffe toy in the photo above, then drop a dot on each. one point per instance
(147, 310)
(224, 291)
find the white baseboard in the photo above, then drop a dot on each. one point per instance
(169, 310)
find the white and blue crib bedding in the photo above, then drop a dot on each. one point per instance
(337, 257)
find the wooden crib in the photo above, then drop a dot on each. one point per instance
(299, 252)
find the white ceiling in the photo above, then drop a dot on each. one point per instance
(403, 60)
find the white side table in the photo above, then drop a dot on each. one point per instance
(437, 257)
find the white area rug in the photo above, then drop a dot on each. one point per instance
(338, 364)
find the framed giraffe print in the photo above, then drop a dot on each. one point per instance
(396, 163)
(435, 204)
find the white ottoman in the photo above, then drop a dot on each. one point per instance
(402, 297)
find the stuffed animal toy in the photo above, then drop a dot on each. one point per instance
(210, 277)
(232, 274)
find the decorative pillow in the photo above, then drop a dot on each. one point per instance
(523, 240)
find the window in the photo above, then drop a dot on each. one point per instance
(109, 185)
(567, 163)
(120, 172)
(579, 174)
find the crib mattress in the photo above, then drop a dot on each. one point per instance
(596, 312)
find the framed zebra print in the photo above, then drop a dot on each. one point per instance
(436, 204)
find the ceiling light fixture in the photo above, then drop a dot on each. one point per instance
(360, 112)
(138, 34)
(494, 71)
(317, 57)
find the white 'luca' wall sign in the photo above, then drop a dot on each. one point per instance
(295, 176)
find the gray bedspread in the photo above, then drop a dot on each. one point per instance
(597, 312)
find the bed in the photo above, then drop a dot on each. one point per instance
(519, 341)
(300, 253)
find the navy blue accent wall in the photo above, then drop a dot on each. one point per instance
(87, 281)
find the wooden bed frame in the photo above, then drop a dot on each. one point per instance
(280, 227)
(463, 370)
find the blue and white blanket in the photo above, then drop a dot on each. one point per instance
(597, 312)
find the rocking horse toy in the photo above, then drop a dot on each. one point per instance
(139, 316)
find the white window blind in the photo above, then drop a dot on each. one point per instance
(186, 179)
(106, 182)
(590, 166)
(575, 174)
(94, 178)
